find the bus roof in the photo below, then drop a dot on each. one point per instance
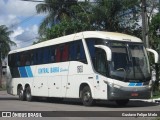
(86, 34)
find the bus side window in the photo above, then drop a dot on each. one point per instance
(35, 57)
(28, 58)
(38, 56)
(22, 59)
(71, 51)
(65, 53)
(98, 56)
(31, 58)
(52, 53)
(17, 60)
(90, 44)
(101, 62)
(80, 53)
(9, 60)
(12, 60)
(46, 53)
(58, 54)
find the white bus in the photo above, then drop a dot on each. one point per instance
(89, 65)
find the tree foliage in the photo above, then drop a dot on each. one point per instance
(5, 41)
(56, 10)
(117, 15)
(69, 16)
(154, 32)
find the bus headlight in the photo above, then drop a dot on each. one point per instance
(109, 83)
(112, 84)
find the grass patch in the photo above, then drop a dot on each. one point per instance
(157, 118)
(156, 95)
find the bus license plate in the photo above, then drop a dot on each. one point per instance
(134, 94)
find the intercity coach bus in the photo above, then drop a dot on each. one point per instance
(90, 65)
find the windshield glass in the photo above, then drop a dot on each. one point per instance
(129, 62)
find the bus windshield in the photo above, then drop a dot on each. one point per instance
(129, 62)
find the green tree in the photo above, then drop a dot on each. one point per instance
(5, 41)
(154, 32)
(106, 15)
(117, 15)
(154, 41)
(56, 11)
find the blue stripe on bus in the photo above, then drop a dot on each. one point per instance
(131, 84)
(135, 84)
(29, 71)
(23, 72)
(139, 84)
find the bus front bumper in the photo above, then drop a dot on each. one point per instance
(120, 93)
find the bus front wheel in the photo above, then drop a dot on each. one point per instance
(87, 99)
(29, 96)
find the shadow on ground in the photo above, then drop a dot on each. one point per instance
(109, 104)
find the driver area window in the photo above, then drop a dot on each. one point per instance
(97, 55)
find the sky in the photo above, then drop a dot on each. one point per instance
(21, 17)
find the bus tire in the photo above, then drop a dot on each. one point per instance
(87, 99)
(29, 96)
(122, 102)
(21, 94)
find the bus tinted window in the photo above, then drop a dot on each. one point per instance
(77, 52)
(71, 51)
(46, 55)
(97, 55)
(58, 54)
(65, 53)
(52, 53)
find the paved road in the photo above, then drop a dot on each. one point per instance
(11, 103)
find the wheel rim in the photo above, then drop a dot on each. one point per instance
(21, 94)
(28, 95)
(87, 96)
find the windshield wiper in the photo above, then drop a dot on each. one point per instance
(139, 68)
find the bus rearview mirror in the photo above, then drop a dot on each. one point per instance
(155, 54)
(107, 50)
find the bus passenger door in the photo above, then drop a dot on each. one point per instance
(100, 65)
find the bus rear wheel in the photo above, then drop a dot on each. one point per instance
(21, 94)
(122, 102)
(29, 96)
(87, 99)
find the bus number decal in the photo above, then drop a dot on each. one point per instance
(79, 69)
